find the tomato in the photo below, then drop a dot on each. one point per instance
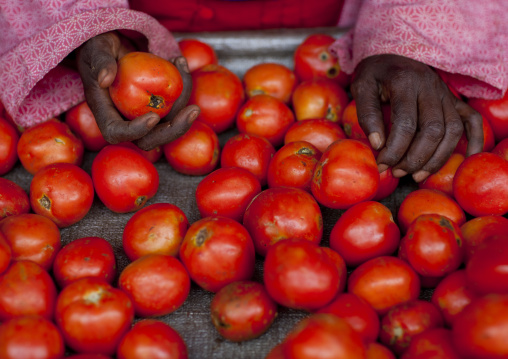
(452, 295)
(313, 59)
(217, 251)
(9, 139)
(145, 83)
(405, 320)
(477, 230)
(426, 201)
(432, 343)
(219, 94)
(265, 116)
(501, 149)
(156, 229)
(123, 179)
(84, 257)
(282, 213)
(150, 338)
(293, 165)
(32, 237)
(271, 79)
(81, 121)
(496, 112)
(242, 311)
(251, 152)
(26, 289)
(357, 312)
(319, 98)
(391, 276)
(13, 199)
(433, 245)
(365, 231)
(298, 274)
(488, 139)
(197, 53)
(387, 185)
(158, 284)
(319, 132)
(63, 192)
(323, 336)
(378, 351)
(49, 142)
(350, 122)
(442, 180)
(5, 253)
(345, 175)
(196, 153)
(152, 155)
(93, 316)
(480, 185)
(30, 337)
(479, 331)
(226, 192)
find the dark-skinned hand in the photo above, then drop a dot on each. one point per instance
(427, 119)
(97, 66)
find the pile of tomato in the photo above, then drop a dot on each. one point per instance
(297, 149)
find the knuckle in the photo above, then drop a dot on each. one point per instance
(434, 130)
(455, 128)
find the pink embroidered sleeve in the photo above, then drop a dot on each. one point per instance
(38, 35)
(468, 39)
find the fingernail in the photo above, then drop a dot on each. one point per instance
(382, 167)
(375, 140)
(183, 63)
(193, 115)
(102, 76)
(420, 175)
(399, 173)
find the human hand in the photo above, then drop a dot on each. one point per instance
(427, 119)
(97, 66)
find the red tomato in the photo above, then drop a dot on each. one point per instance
(197, 53)
(8, 146)
(152, 155)
(251, 152)
(488, 139)
(350, 122)
(299, 274)
(433, 245)
(63, 192)
(13, 199)
(217, 251)
(93, 316)
(145, 83)
(84, 257)
(150, 338)
(391, 276)
(477, 230)
(293, 165)
(501, 149)
(81, 121)
(319, 98)
(340, 264)
(387, 185)
(158, 284)
(442, 180)
(405, 320)
(270, 79)
(265, 116)
(452, 295)
(227, 192)
(313, 59)
(219, 94)
(320, 132)
(242, 311)
(156, 229)
(30, 337)
(426, 201)
(123, 179)
(196, 153)
(365, 231)
(32, 237)
(480, 185)
(281, 213)
(26, 289)
(345, 175)
(49, 142)
(323, 336)
(432, 343)
(496, 112)
(357, 312)
(480, 330)
(5, 253)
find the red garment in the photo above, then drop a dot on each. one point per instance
(224, 15)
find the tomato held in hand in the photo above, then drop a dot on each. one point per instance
(197, 53)
(271, 79)
(13, 199)
(319, 132)
(81, 121)
(145, 83)
(8, 146)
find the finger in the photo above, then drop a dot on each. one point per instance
(473, 124)
(181, 64)
(169, 131)
(453, 132)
